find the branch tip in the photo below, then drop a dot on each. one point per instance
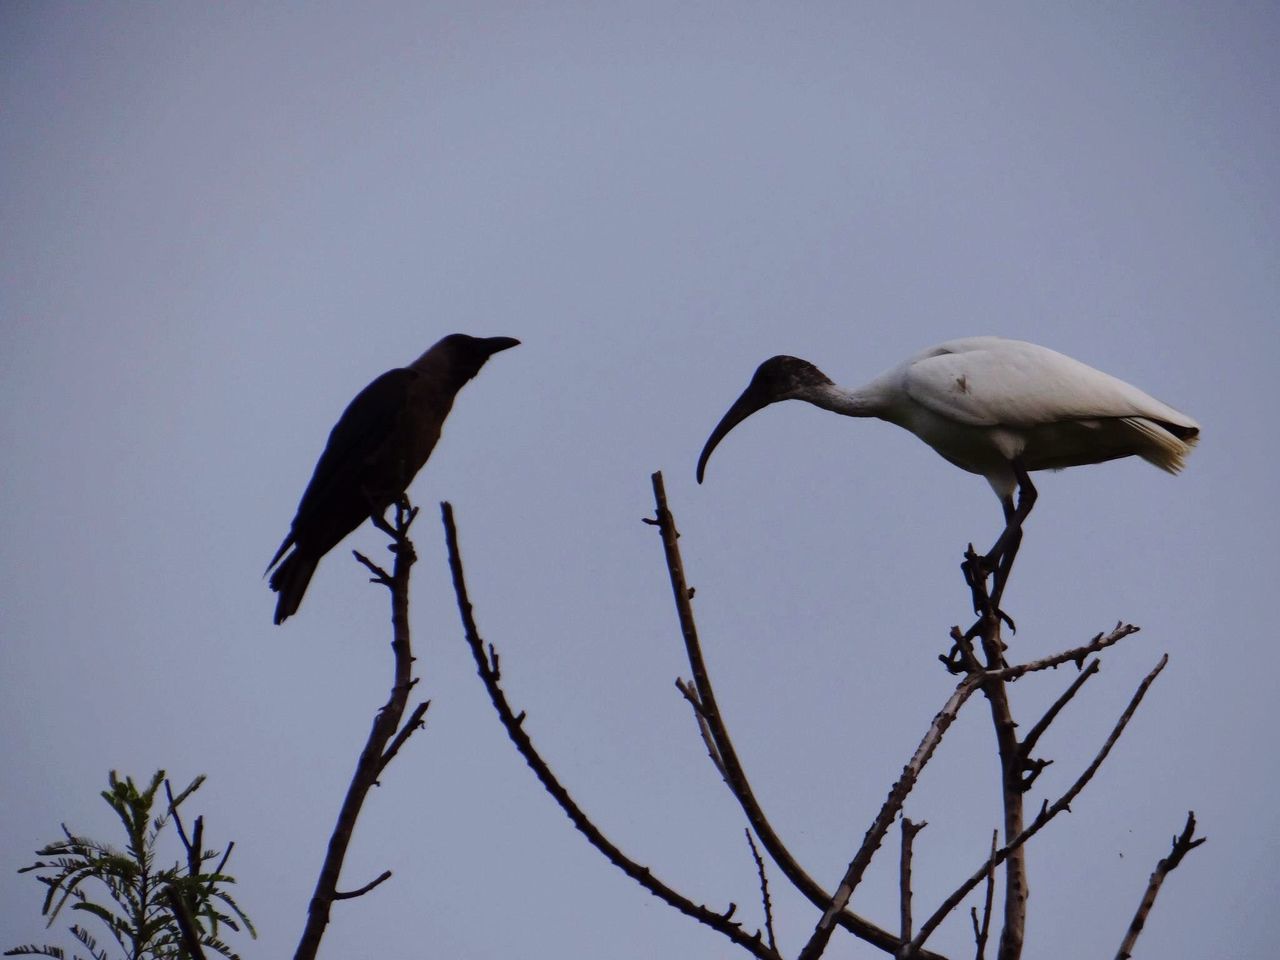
(352, 894)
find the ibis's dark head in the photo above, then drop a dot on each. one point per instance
(778, 378)
(459, 357)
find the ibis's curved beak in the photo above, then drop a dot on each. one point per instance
(753, 398)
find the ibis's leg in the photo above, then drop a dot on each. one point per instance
(998, 561)
(1005, 550)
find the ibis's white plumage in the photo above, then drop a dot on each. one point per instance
(982, 402)
(986, 404)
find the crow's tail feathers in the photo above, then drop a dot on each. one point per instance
(290, 581)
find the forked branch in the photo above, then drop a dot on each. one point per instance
(1046, 814)
(376, 753)
(487, 666)
(721, 745)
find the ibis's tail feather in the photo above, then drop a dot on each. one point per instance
(1167, 444)
(290, 581)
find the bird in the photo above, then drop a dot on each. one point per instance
(374, 451)
(992, 406)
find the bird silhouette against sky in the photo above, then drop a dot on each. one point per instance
(374, 451)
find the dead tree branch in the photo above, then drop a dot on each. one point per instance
(1183, 844)
(764, 890)
(376, 753)
(415, 722)
(909, 831)
(1016, 779)
(1046, 814)
(704, 728)
(1076, 655)
(361, 891)
(981, 929)
(1033, 735)
(707, 710)
(488, 668)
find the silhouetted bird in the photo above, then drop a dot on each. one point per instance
(377, 447)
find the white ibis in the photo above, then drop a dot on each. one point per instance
(999, 408)
(377, 447)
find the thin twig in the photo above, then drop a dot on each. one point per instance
(909, 831)
(177, 822)
(764, 890)
(1183, 844)
(1076, 655)
(704, 728)
(487, 667)
(194, 844)
(1046, 814)
(379, 574)
(983, 929)
(361, 891)
(411, 726)
(1041, 725)
(739, 785)
(375, 755)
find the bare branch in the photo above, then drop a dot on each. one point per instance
(376, 754)
(379, 575)
(1076, 655)
(413, 724)
(981, 930)
(352, 894)
(764, 891)
(704, 728)
(1046, 814)
(1017, 772)
(909, 831)
(1013, 791)
(1034, 734)
(487, 667)
(1183, 844)
(177, 822)
(735, 775)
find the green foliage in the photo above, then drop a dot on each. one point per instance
(142, 907)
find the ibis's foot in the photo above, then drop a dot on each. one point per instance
(962, 659)
(957, 661)
(977, 564)
(976, 570)
(1004, 617)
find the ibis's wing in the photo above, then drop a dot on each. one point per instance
(987, 381)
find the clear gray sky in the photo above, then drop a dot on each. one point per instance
(221, 221)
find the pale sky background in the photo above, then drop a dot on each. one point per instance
(219, 222)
